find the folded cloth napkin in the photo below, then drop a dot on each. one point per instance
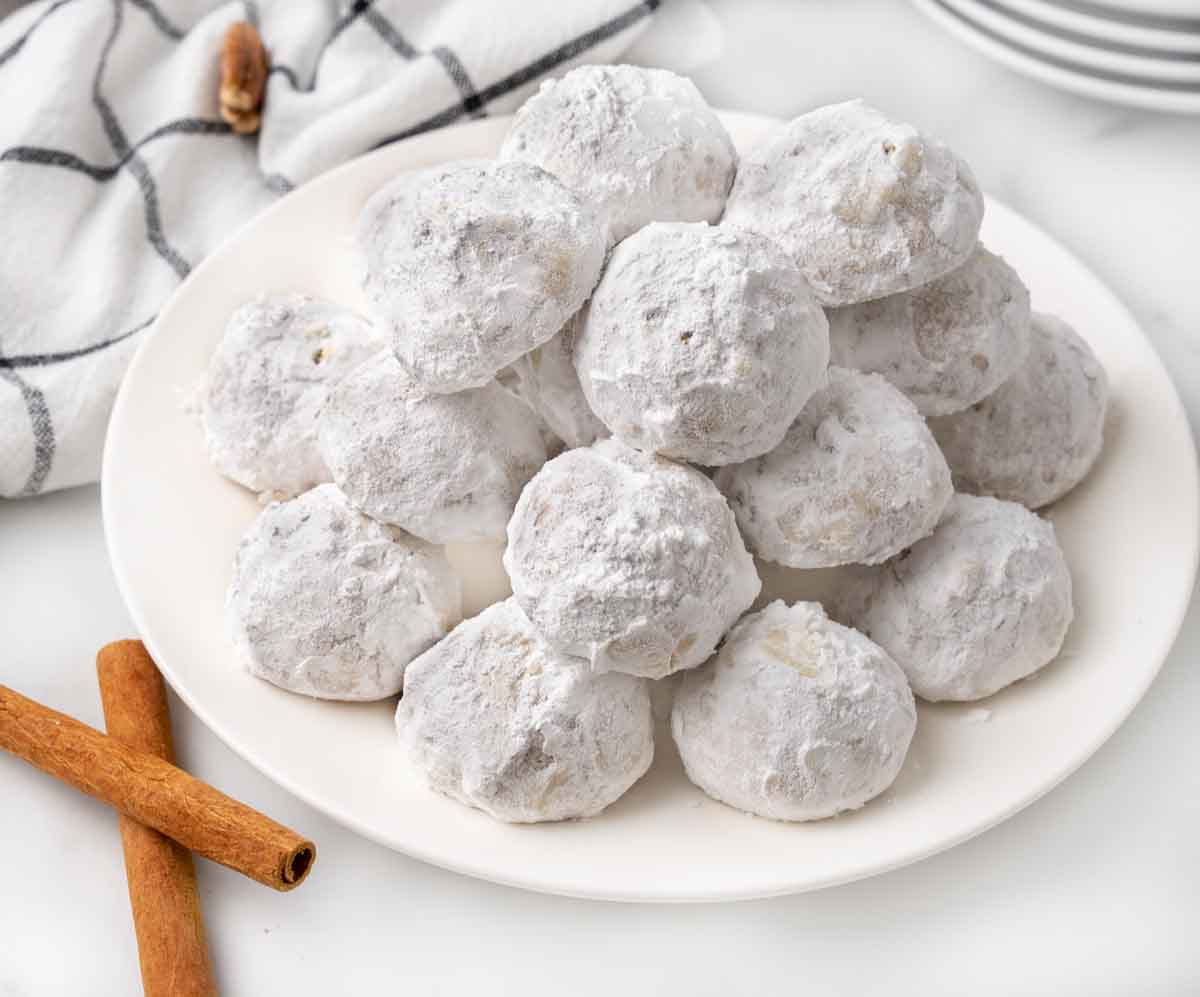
(117, 175)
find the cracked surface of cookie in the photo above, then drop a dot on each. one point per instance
(947, 344)
(495, 718)
(631, 561)
(266, 383)
(640, 144)
(447, 468)
(331, 604)
(1039, 434)
(546, 380)
(471, 264)
(796, 718)
(700, 343)
(857, 478)
(866, 206)
(983, 601)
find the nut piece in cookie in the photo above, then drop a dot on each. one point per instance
(865, 206)
(700, 343)
(797, 718)
(857, 478)
(470, 265)
(628, 560)
(494, 718)
(949, 343)
(983, 601)
(640, 144)
(1039, 434)
(447, 468)
(266, 383)
(331, 604)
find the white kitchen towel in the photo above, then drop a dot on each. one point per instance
(117, 175)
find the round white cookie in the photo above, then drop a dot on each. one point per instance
(866, 206)
(266, 383)
(545, 379)
(700, 343)
(1039, 434)
(498, 720)
(640, 144)
(629, 560)
(471, 264)
(857, 478)
(984, 601)
(329, 603)
(946, 344)
(797, 718)
(447, 468)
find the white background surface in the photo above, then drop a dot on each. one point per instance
(1093, 890)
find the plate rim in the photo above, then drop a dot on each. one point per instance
(1106, 29)
(525, 880)
(1150, 95)
(1166, 17)
(1105, 59)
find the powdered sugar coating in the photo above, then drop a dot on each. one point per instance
(946, 344)
(700, 343)
(857, 478)
(546, 380)
(629, 560)
(866, 206)
(640, 144)
(447, 468)
(496, 719)
(1039, 434)
(329, 603)
(797, 718)
(982, 602)
(472, 264)
(266, 383)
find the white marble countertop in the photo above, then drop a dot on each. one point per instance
(1093, 890)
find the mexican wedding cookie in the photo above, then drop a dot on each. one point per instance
(946, 344)
(1038, 436)
(498, 720)
(797, 718)
(866, 206)
(700, 343)
(629, 560)
(545, 379)
(266, 383)
(472, 264)
(329, 603)
(857, 478)
(984, 601)
(641, 144)
(447, 468)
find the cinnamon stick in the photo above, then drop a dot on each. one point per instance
(172, 951)
(244, 67)
(155, 793)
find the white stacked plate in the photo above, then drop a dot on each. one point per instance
(1143, 53)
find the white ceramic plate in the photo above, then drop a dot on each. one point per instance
(965, 19)
(1183, 11)
(1087, 55)
(1133, 27)
(172, 523)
